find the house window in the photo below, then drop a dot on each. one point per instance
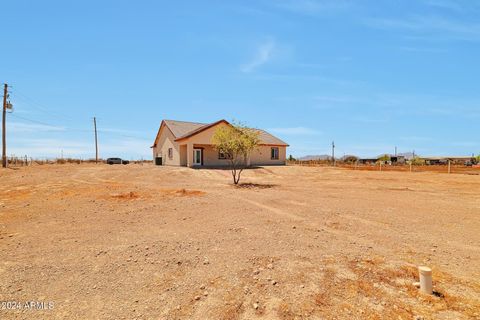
(274, 154)
(223, 155)
(170, 153)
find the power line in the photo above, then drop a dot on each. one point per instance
(32, 103)
(77, 130)
(34, 121)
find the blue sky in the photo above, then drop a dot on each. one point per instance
(370, 75)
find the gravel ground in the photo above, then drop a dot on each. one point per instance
(145, 242)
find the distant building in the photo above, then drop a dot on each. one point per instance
(459, 160)
(367, 160)
(385, 159)
(397, 159)
(189, 144)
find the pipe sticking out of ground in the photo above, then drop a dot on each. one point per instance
(425, 280)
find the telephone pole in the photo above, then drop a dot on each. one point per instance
(333, 152)
(4, 127)
(96, 141)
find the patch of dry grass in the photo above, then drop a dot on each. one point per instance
(126, 196)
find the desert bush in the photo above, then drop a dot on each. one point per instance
(237, 142)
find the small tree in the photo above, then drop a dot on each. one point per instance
(291, 158)
(477, 159)
(385, 157)
(236, 142)
(350, 159)
(417, 161)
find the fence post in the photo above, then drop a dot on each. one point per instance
(449, 169)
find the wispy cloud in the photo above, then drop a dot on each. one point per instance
(422, 49)
(415, 139)
(312, 7)
(431, 26)
(295, 131)
(263, 55)
(78, 148)
(18, 127)
(445, 4)
(50, 148)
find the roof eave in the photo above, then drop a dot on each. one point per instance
(201, 129)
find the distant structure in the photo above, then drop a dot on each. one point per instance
(456, 160)
(189, 144)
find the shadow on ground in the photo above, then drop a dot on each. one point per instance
(250, 185)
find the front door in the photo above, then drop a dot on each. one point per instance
(197, 157)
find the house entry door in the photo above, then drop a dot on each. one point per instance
(197, 157)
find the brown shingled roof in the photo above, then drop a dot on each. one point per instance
(185, 129)
(200, 129)
(182, 128)
(269, 139)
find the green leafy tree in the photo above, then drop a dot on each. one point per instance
(417, 161)
(350, 159)
(291, 158)
(236, 142)
(385, 157)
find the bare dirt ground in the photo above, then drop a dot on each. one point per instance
(145, 242)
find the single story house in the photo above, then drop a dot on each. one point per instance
(457, 160)
(189, 144)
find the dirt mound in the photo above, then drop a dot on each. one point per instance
(187, 193)
(126, 196)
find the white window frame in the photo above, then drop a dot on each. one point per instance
(274, 153)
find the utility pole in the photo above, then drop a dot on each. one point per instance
(333, 152)
(96, 141)
(4, 127)
(395, 151)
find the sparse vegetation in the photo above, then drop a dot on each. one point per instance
(417, 161)
(384, 158)
(350, 159)
(278, 248)
(237, 142)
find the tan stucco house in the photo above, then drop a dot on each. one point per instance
(181, 143)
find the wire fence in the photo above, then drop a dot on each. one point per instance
(380, 166)
(17, 161)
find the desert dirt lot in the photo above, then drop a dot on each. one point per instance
(146, 242)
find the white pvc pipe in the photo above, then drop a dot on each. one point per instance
(426, 280)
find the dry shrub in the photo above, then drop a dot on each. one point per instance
(232, 311)
(127, 196)
(409, 272)
(284, 311)
(187, 193)
(250, 185)
(322, 299)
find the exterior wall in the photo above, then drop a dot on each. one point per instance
(210, 157)
(262, 156)
(183, 155)
(183, 150)
(165, 141)
(259, 157)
